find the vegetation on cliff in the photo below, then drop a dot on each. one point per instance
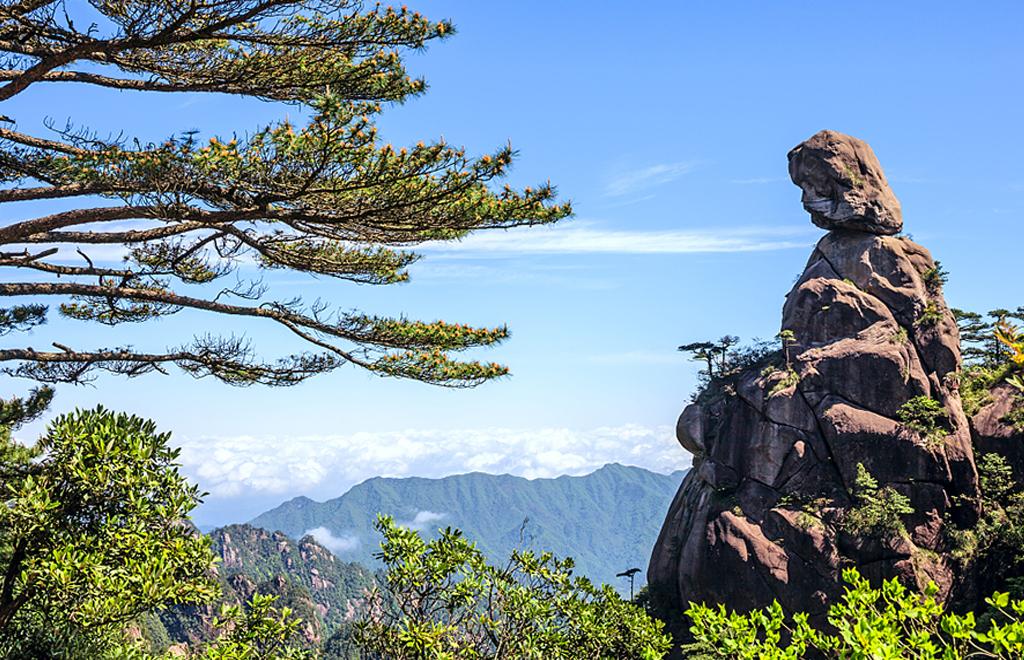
(891, 620)
(879, 439)
(319, 589)
(990, 344)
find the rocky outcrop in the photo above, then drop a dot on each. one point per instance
(993, 432)
(766, 512)
(319, 588)
(844, 186)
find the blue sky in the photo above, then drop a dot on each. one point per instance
(667, 124)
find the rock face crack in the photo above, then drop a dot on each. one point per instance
(854, 378)
(828, 449)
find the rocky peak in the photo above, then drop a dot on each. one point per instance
(844, 186)
(771, 510)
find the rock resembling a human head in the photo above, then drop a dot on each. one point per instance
(844, 186)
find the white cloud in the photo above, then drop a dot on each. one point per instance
(328, 465)
(423, 519)
(336, 544)
(582, 237)
(647, 177)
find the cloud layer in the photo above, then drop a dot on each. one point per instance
(325, 466)
(586, 238)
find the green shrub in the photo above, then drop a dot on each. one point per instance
(899, 336)
(887, 623)
(935, 278)
(995, 478)
(789, 380)
(806, 520)
(924, 415)
(930, 315)
(878, 510)
(976, 381)
(257, 630)
(93, 533)
(441, 599)
(994, 546)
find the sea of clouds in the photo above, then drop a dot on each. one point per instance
(325, 466)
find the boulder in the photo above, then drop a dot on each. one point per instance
(690, 429)
(843, 184)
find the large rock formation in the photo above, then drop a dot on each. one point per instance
(766, 512)
(993, 433)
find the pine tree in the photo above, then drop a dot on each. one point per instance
(701, 350)
(325, 198)
(93, 532)
(975, 334)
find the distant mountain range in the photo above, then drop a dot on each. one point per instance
(608, 521)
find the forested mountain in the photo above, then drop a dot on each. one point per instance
(607, 521)
(304, 576)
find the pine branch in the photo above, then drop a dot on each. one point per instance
(325, 198)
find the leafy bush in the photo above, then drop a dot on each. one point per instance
(440, 599)
(935, 278)
(878, 510)
(1012, 338)
(900, 336)
(890, 622)
(758, 356)
(995, 544)
(257, 631)
(94, 532)
(996, 479)
(930, 315)
(924, 415)
(994, 353)
(789, 380)
(976, 382)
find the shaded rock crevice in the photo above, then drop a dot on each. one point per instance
(837, 474)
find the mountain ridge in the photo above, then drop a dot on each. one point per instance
(604, 520)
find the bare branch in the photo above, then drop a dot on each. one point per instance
(19, 231)
(115, 237)
(55, 192)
